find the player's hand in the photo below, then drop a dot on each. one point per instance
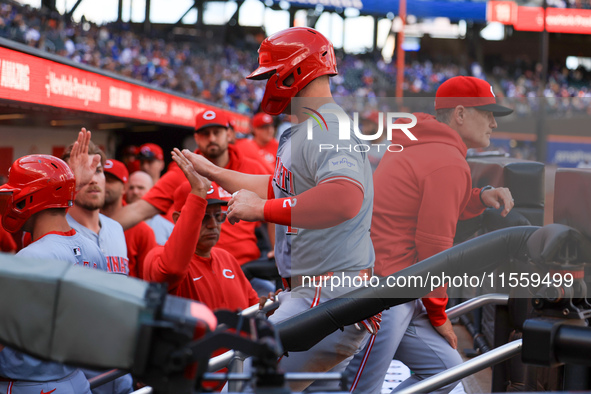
(271, 296)
(446, 330)
(497, 197)
(203, 166)
(371, 324)
(246, 205)
(81, 163)
(199, 184)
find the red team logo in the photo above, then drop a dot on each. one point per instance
(283, 178)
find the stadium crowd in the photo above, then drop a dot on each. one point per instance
(215, 72)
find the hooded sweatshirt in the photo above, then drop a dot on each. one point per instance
(420, 194)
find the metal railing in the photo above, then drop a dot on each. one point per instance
(477, 302)
(236, 377)
(105, 378)
(467, 368)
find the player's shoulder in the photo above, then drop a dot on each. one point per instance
(109, 224)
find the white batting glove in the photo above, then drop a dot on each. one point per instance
(371, 324)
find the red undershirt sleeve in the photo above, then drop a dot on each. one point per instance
(474, 206)
(328, 204)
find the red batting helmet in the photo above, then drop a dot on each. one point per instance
(299, 51)
(35, 183)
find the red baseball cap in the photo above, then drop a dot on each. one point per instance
(215, 195)
(117, 169)
(211, 117)
(261, 119)
(150, 151)
(469, 92)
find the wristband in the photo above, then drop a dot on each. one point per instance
(278, 211)
(487, 187)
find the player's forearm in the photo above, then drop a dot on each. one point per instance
(232, 181)
(317, 208)
(132, 214)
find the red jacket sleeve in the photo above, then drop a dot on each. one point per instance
(474, 206)
(170, 263)
(436, 224)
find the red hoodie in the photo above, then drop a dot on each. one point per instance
(419, 196)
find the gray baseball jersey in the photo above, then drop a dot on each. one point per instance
(162, 228)
(303, 163)
(71, 247)
(110, 240)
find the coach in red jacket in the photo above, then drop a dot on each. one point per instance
(420, 194)
(189, 261)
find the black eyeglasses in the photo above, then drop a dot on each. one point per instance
(219, 217)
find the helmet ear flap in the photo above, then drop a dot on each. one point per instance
(14, 214)
(277, 95)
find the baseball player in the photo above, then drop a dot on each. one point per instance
(85, 217)
(140, 238)
(321, 200)
(432, 187)
(39, 191)
(139, 184)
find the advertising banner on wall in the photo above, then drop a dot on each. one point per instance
(31, 79)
